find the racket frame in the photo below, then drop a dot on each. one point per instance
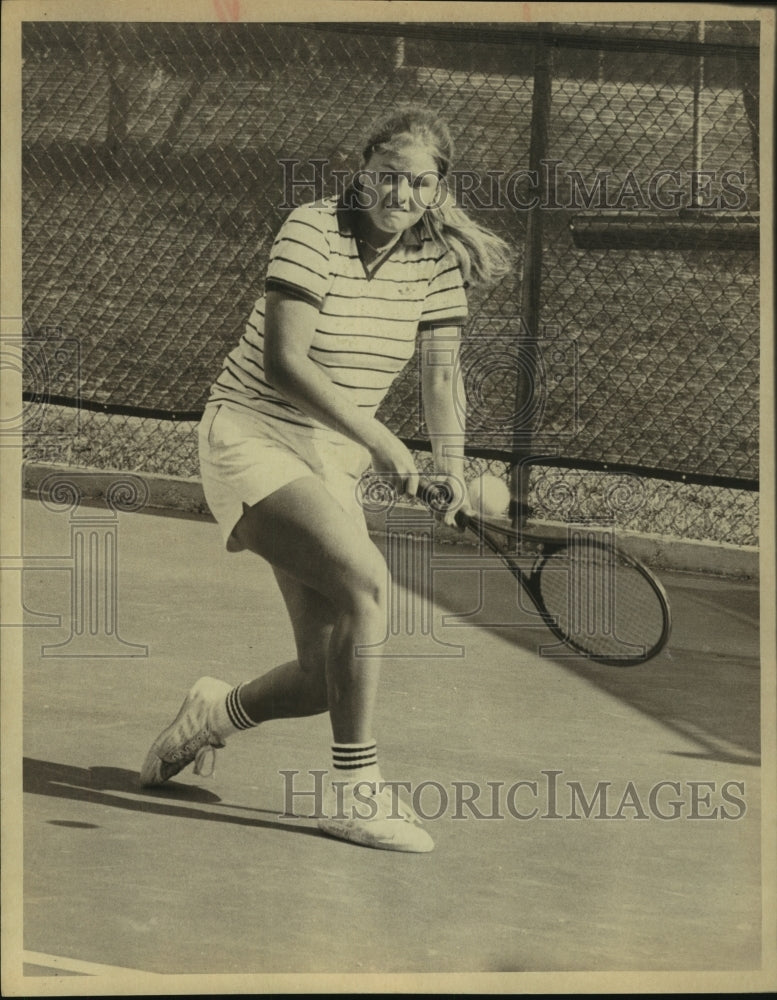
(535, 548)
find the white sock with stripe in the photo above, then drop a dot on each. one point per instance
(354, 762)
(229, 717)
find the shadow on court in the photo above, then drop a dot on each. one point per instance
(95, 784)
(704, 685)
(586, 818)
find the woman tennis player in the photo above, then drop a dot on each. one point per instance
(354, 286)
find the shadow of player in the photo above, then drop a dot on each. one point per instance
(110, 786)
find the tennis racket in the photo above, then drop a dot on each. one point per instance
(599, 601)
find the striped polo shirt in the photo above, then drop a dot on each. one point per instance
(367, 322)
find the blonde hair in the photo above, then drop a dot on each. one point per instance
(483, 257)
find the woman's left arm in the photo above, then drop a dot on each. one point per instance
(445, 405)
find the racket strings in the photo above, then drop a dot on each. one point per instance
(594, 598)
(601, 603)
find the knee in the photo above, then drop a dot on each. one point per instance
(366, 588)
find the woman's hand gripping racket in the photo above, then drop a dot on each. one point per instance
(598, 600)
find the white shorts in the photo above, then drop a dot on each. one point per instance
(245, 457)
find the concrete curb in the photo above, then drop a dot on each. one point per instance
(167, 494)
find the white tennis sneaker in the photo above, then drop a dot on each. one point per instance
(369, 814)
(191, 736)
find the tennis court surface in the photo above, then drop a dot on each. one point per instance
(614, 821)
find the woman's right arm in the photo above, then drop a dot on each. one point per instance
(288, 333)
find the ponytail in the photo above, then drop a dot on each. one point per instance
(483, 257)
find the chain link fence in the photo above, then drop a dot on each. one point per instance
(159, 161)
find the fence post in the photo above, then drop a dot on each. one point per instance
(747, 70)
(531, 284)
(118, 99)
(697, 161)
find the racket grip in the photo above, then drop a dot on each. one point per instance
(438, 496)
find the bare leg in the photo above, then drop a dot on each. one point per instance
(305, 534)
(334, 582)
(296, 688)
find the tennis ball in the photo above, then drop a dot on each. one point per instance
(490, 495)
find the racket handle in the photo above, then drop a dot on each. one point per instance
(438, 496)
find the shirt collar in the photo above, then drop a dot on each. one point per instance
(349, 220)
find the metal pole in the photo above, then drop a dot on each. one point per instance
(531, 286)
(698, 154)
